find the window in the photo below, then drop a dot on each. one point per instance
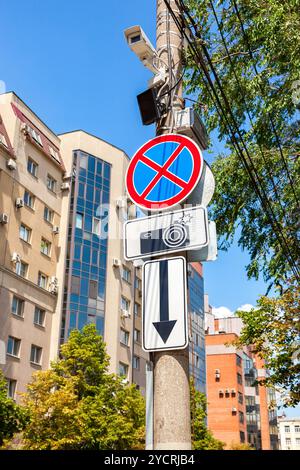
(45, 247)
(239, 379)
(42, 280)
(240, 398)
(35, 354)
(29, 199)
(21, 268)
(17, 306)
(124, 337)
(93, 290)
(136, 362)
(137, 335)
(75, 285)
(51, 183)
(54, 154)
(288, 441)
(39, 316)
(3, 140)
(241, 417)
(125, 304)
(79, 221)
(11, 388)
(126, 274)
(83, 161)
(13, 346)
(96, 226)
(137, 309)
(238, 361)
(25, 233)
(123, 369)
(36, 136)
(286, 429)
(137, 283)
(297, 441)
(297, 428)
(32, 167)
(242, 436)
(48, 214)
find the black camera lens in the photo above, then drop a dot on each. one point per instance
(175, 235)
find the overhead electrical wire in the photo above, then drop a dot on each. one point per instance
(267, 166)
(247, 43)
(219, 107)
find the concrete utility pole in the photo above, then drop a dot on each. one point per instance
(172, 426)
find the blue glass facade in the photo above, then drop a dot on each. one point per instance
(84, 291)
(197, 333)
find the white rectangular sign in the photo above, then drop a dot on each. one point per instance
(209, 252)
(181, 230)
(165, 325)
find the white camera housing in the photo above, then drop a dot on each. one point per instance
(141, 46)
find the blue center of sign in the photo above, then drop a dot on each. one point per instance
(157, 157)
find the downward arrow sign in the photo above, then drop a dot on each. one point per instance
(165, 326)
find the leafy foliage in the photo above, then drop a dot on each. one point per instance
(77, 404)
(260, 100)
(273, 331)
(12, 416)
(202, 437)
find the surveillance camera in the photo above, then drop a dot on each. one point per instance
(141, 46)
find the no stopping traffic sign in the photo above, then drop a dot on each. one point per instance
(163, 172)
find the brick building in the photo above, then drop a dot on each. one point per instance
(239, 410)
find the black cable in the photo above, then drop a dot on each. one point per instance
(236, 144)
(261, 88)
(248, 113)
(263, 198)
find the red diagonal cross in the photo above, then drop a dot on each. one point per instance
(162, 171)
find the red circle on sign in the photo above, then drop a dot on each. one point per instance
(162, 171)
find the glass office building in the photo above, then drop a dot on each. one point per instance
(85, 277)
(196, 328)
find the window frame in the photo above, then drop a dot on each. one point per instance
(21, 302)
(15, 341)
(23, 266)
(47, 244)
(32, 164)
(53, 182)
(27, 231)
(40, 276)
(124, 337)
(136, 362)
(126, 368)
(38, 349)
(31, 198)
(40, 310)
(137, 335)
(126, 278)
(50, 211)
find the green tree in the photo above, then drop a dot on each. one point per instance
(260, 73)
(202, 437)
(77, 404)
(12, 416)
(273, 331)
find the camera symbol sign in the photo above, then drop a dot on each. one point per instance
(163, 172)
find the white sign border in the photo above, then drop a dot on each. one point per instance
(171, 251)
(171, 348)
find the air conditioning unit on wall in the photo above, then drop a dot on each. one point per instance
(4, 218)
(116, 262)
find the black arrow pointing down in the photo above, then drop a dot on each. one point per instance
(165, 326)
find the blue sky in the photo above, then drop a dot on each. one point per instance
(69, 62)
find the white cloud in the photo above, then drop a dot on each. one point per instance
(222, 312)
(246, 307)
(225, 312)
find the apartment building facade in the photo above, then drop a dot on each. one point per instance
(31, 175)
(289, 433)
(239, 409)
(62, 209)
